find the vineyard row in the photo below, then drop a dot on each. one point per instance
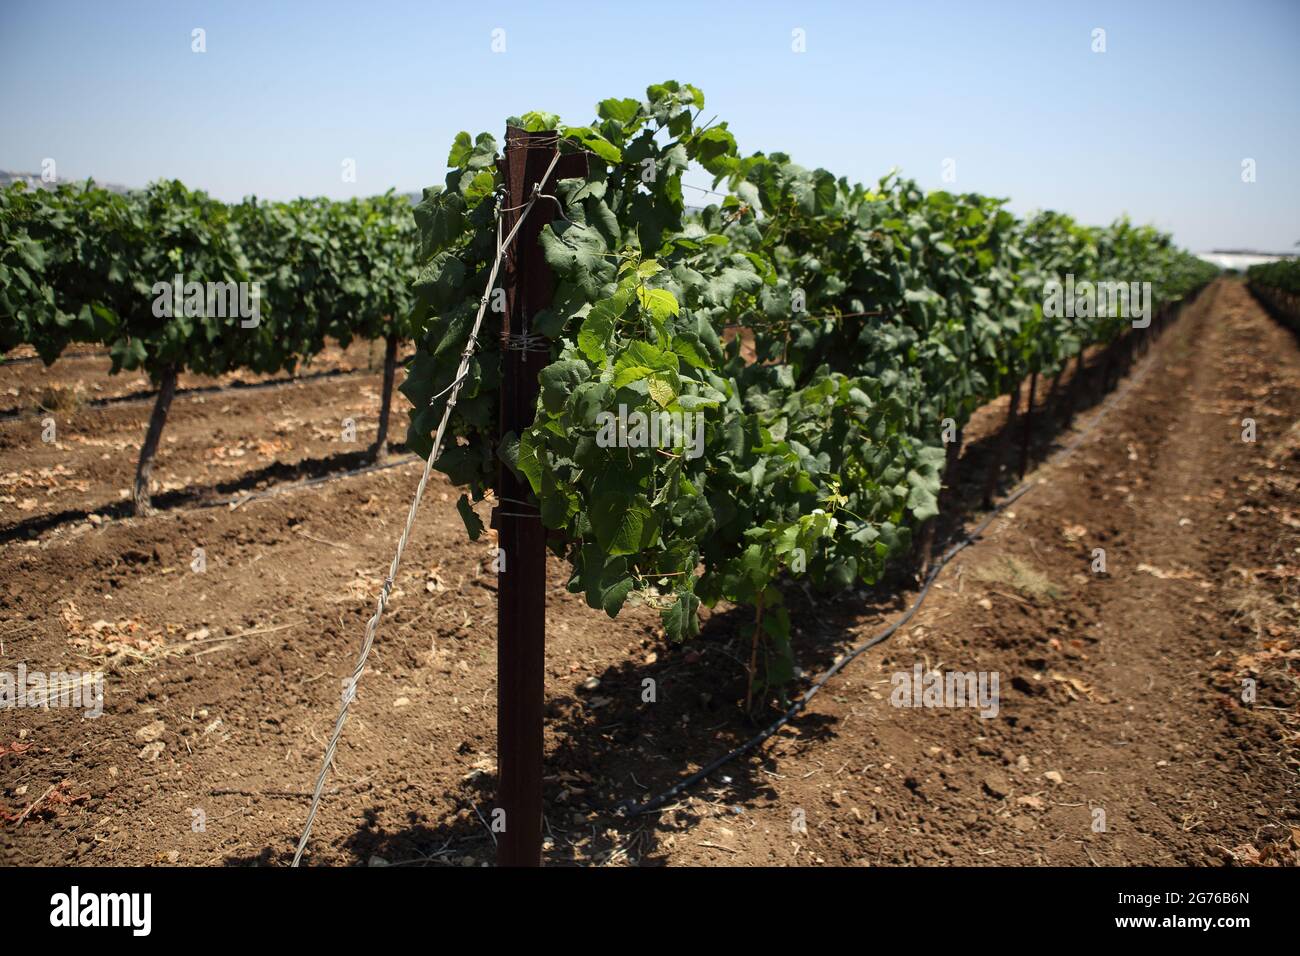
(828, 340)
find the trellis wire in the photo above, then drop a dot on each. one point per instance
(372, 625)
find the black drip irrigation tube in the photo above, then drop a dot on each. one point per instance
(632, 808)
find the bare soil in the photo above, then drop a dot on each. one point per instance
(1120, 692)
(225, 436)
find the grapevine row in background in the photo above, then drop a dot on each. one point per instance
(1277, 285)
(877, 316)
(82, 264)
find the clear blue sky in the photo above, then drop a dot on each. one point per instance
(1157, 126)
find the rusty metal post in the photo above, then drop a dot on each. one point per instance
(521, 583)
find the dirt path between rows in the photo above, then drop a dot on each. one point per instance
(1121, 737)
(214, 444)
(1119, 692)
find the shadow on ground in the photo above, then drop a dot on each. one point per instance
(260, 481)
